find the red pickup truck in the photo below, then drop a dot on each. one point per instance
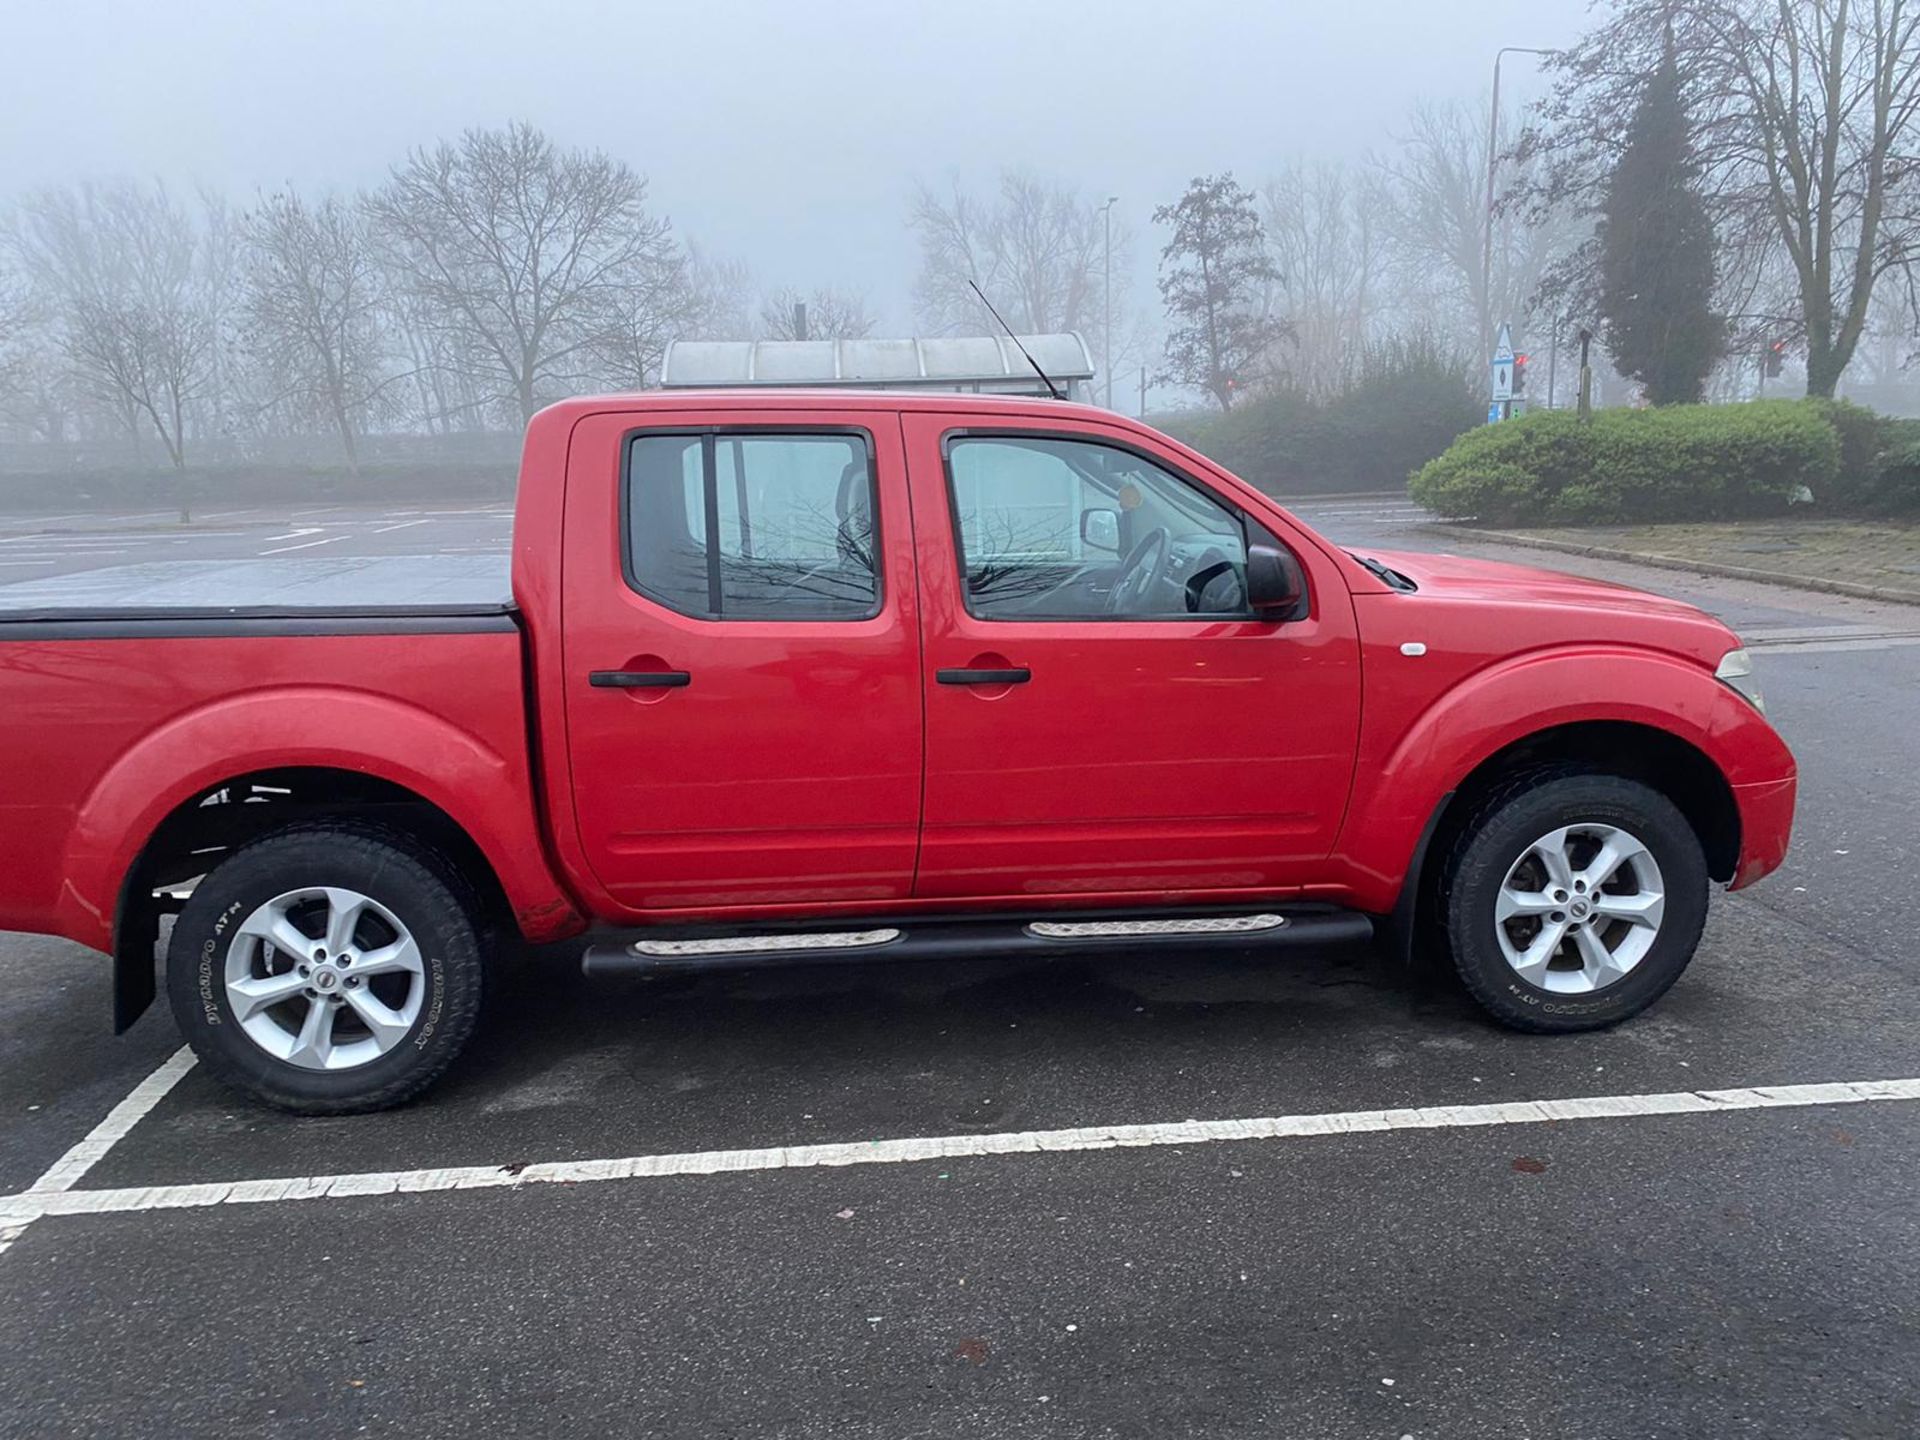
(814, 676)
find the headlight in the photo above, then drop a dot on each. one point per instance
(1736, 670)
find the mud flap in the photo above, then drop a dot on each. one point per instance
(133, 967)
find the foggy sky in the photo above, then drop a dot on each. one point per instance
(784, 135)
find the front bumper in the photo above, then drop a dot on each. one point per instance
(1766, 826)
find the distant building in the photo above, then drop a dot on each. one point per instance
(985, 364)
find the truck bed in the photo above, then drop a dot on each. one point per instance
(131, 692)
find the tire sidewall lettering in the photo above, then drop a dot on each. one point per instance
(209, 993)
(436, 992)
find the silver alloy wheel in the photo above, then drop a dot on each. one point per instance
(1580, 908)
(325, 979)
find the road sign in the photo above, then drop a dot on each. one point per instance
(1493, 413)
(1502, 369)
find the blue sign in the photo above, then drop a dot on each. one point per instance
(1493, 413)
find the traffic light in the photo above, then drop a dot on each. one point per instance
(1519, 374)
(1776, 357)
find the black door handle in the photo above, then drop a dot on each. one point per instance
(639, 679)
(1018, 675)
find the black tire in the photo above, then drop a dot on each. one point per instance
(421, 888)
(1497, 832)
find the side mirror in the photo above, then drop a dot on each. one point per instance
(1101, 529)
(1276, 585)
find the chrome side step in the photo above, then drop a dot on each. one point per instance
(765, 944)
(1136, 929)
(967, 937)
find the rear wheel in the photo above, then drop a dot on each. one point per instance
(1573, 900)
(328, 969)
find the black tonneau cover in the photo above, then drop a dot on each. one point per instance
(384, 594)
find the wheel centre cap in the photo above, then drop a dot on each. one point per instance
(325, 979)
(1580, 908)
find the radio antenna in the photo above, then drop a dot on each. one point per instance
(1052, 389)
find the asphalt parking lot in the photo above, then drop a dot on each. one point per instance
(858, 1202)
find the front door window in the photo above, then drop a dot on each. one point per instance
(1074, 530)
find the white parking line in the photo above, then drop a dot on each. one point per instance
(307, 545)
(296, 534)
(67, 1171)
(20, 1210)
(383, 529)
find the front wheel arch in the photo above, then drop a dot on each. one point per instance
(1656, 758)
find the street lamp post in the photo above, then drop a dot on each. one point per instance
(1493, 146)
(1106, 323)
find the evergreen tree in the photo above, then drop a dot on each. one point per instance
(1657, 257)
(1214, 277)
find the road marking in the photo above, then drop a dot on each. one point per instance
(1817, 644)
(308, 545)
(1768, 635)
(296, 534)
(383, 529)
(67, 1171)
(22, 1209)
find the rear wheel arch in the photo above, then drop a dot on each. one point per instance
(216, 821)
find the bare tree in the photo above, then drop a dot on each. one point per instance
(17, 339)
(689, 295)
(539, 260)
(1037, 249)
(311, 303)
(1804, 129)
(1436, 222)
(1325, 229)
(831, 314)
(121, 271)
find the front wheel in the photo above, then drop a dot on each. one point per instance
(328, 969)
(1572, 901)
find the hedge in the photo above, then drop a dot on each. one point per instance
(1893, 487)
(1678, 462)
(1407, 408)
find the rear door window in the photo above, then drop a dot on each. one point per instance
(753, 526)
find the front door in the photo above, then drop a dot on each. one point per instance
(1106, 720)
(742, 660)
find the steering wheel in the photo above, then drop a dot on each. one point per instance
(1142, 570)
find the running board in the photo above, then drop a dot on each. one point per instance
(681, 952)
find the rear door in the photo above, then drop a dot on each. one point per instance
(742, 659)
(1105, 718)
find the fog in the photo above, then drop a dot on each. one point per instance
(788, 137)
